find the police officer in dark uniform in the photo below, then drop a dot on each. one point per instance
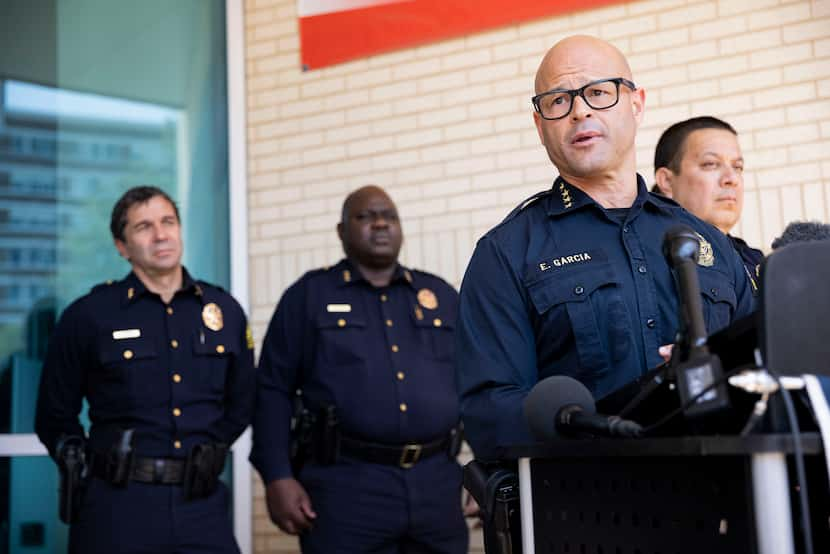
(573, 282)
(369, 343)
(166, 365)
(698, 163)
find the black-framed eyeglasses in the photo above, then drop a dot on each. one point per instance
(599, 95)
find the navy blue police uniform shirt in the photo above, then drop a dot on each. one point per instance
(752, 259)
(180, 374)
(565, 287)
(382, 355)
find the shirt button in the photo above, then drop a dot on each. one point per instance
(383, 298)
(177, 444)
(169, 310)
(578, 289)
(642, 269)
(400, 376)
(403, 407)
(174, 343)
(389, 323)
(714, 292)
(395, 348)
(341, 322)
(177, 378)
(650, 323)
(220, 348)
(177, 412)
(436, 322)
(128, 354)
(625, 229)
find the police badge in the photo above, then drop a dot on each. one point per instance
(706, 256)
(427, 299)
(212, 316)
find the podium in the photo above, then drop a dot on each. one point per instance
(679, 495)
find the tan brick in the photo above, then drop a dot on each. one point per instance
(489, 38)
(439, 118)
(273, 30)
(299, 108)
(598, 15)
(523, 158)
(391, 91)
(814, 205)
(344, 134)
(644, 24)
(547, 28)
(416, 104)
(391, 59)
(469, 165)
(726, 105)
(663, 117)
(825, 130)
(686, 92)
(778, 16)
(733, 65)
(824, 88)
(780, 56)
(648, 42)
(497, 143)
(437, 49)
(394, 160)
(446, 187)
(444, 81)
(758, 119)
(805, 31)
(274, 96)
(418, 138)
(785, 95)
(443, 152)
(475, 200)
(494, 72)
(513, 122)
(475, 128)
(809, 111)
(731, 7)
(497, 179)
(327, 153)
(800, 153)
(368, 113)
(642, 62)
(370, 78)
(415, 69)
(496, 106)
(256, 50)
(720, 27)
(321, 121)
(323, 87)
(749, 42)
(650, 6)
(758, 81)
(392, 125)
(685, 54)
(786, 176)
(258, 17)
(522, 47)
(786, 135)
(520, 86)
(465, 95)
(425, 174)
(687, 15)
(472, 58)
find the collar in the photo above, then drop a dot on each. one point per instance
(133, 288)
(566, 197)
(347, 273)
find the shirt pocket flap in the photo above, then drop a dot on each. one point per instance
(558, 289)
(112, 351)
(214, 344)
(433, 319)
(717, 287)
(348, 320)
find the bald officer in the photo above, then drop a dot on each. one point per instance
(369, 343)
(573, 282)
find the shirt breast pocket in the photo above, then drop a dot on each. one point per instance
(212, 354)
(342, 337)
(126, 365)
(590, 305)
(435, 332)
(719, 300)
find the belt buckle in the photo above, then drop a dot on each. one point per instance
(410, 455)
(158, 470)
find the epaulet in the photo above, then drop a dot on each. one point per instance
(526, 203)
(665, 199)
(206, 285)
(101, 286)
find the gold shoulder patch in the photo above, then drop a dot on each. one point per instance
(706, 257)
(212, 317)
(249, 337)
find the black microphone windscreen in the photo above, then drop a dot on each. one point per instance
(802, 231)
(550, 395)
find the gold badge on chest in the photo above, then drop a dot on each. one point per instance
(212, 316)
(427, 299)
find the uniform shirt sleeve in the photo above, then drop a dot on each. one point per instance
(240, 387)
(495, 353)
(743, 289)
(63, 379)
(279, 365)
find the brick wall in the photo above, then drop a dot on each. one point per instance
(447, 129)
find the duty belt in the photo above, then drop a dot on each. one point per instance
(161, 471)
(401, 455)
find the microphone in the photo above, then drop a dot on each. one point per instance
(694, 367)
(802, 231)
(561, 406)
(681, 248)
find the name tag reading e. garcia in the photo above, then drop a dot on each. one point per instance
(126, 334)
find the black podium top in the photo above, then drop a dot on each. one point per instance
(667, 446)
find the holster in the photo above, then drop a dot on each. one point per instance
(118, 461)
(496, 489)
(73, 470)
(315, 435)
(202, 468)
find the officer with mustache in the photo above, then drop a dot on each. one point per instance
(370, 465)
